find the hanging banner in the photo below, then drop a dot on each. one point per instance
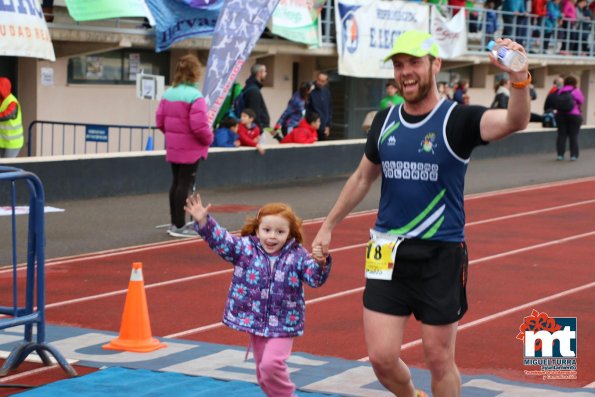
(23, 31)
(367, 29)
(93, 10)
(298, 20)
(239, 27)
(450, 35)
(177, 21)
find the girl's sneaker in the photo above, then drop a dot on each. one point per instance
(421, 393)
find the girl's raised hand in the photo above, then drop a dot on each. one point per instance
(195, 208)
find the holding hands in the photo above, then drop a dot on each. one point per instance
(318, 256)
(195, 208)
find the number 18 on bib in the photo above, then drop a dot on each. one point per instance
(380, 256)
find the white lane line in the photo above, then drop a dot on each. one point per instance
(147, 247)
(359, 289)
(220, 272)
(147, 286)
(529, 188)
(503, 313)
(219, 324)
(534, 212)
(27, 373)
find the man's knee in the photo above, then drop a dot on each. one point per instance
(440, 363)
(383, 361)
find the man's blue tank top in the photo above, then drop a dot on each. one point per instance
(423, 180)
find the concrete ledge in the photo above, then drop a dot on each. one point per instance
(104, 175)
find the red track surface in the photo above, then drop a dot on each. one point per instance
(525, 246)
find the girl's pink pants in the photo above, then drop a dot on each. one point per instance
(272, 374)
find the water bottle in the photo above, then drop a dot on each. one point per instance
(515, 60)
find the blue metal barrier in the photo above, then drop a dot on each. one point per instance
(58, 138)
(32, 311)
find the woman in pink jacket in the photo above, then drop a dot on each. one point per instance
(182, 116)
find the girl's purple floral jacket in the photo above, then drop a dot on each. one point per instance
(262, 300)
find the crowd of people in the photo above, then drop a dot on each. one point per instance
(536, 24)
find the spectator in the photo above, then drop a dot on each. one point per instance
(569, 124)
(502, 90)
(443, 90)
(249, 131)
(552, 22)
(295, 111)
(568, 25)
(11, 125)
(584, 16)
(461, 91)
(549, 117)
(182, 117)
(253, 97)
(457, 5)
(514, 18)
(227, 133)
(491, 19)
(539, 12)
(306, 131)
(392, 97)
(320, 102)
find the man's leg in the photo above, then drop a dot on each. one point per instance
(384, 335)
(439, 353)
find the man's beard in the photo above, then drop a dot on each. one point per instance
(423, 89)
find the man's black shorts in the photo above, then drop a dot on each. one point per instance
(429, 281)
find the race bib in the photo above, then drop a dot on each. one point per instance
(381, 253)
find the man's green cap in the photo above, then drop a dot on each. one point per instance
(415, 43)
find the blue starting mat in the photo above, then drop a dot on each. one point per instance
(124, 382)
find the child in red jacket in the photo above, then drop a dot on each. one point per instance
(306, 131)
(249, 131)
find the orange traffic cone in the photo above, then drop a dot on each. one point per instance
(135, 330)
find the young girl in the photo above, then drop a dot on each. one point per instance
(266, 297)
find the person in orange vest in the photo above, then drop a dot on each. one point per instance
(11, 125)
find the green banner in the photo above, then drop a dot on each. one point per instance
(92, 10)
(297, 20)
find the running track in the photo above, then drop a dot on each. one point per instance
(530, 248)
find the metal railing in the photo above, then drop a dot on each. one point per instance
(26, 306)
(51, 138)
(538, 34)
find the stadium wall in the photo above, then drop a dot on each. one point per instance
(105, 175)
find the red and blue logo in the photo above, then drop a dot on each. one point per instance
(548, 337)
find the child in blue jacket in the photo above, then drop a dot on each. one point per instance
(227, 133)
(266, 295)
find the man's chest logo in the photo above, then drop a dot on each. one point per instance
(427, 145)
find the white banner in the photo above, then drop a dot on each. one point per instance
(450, 35)
(367, 29)
(23, 31)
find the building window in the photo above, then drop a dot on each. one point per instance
(117, 67)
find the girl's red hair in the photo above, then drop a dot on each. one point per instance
(280, 209)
